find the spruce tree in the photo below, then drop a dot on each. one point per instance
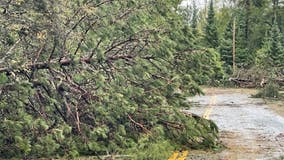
(243, 56)
(262, 55)
(211, 34)
(194, 20)
(276, 52)
(226, 47)
(271, 55)
(186, 13)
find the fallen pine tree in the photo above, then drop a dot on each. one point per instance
(76, 79)
(256, 78)
(248, 83)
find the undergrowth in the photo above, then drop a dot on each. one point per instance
(271, 90)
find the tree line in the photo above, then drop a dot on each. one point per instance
(252, 31)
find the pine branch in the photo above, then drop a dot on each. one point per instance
(61, 62)
(139, 124)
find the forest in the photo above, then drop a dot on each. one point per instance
(110, 77)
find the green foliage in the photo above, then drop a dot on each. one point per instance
(211, 34)
(197, 133)
(262, 55)
(3, 78)
(205, 67)
(271, 56)
(276, 51)
(77, 79)
(187, 131)
(226, 48)
(271, 90)
(244, 56)
(194, 19)
(155, 149)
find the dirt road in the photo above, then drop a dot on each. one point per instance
(249, 128)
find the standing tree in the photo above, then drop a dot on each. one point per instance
(226, 47)
(243, 55)
(194, 21)
(271, 55)
(211, 35)
(190, 16)
(276, 52)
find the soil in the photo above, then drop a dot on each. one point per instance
(249, 128)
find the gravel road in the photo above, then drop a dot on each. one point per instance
(249, 129)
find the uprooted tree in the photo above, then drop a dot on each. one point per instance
(95, 78)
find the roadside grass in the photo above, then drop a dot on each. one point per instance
(273, 96)
(223, 90)
(271, 91)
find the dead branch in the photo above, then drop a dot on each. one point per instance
(138, 124)
(175, 125)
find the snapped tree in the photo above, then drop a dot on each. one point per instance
(95, 78)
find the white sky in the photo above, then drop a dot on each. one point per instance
(199, 3)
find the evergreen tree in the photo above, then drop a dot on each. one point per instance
(276, 52)
(194, 21)
(211, 35)
(77, 79)
(244, 58)
(271, 55)
(190, 15)
(250, 29)
(186, 13)
(226, 47)
(262, 58)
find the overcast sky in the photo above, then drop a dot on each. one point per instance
(199, 3)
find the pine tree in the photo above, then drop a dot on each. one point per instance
(271, 55)
(211, 35)
(190, 16)
(276, 52)
(194, 20)
(226, 47)
(186, 13)
(244, 57)
(76, 79)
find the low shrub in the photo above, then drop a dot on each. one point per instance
(271, 90)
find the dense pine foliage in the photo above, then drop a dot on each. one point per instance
(99, 77)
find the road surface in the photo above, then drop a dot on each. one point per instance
(250, 130)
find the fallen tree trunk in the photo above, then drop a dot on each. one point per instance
(249, 83)
(61, 62)
(246, 83)
(280, 81)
